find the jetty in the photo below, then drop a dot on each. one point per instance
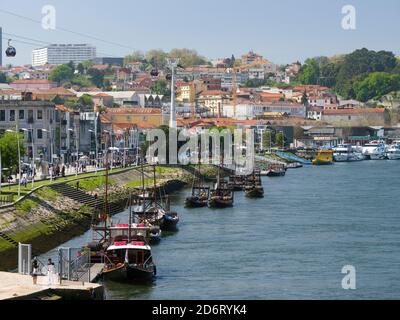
(15, 286)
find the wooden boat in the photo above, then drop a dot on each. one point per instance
(221, 196)
(276, 170)
(253, 187)
(324, 157)
(200, 193)
(236, 182)
(129, 260)
(154, 208)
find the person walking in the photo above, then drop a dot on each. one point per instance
(35, 270)
(50, 272)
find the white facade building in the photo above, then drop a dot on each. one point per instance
(63, 53)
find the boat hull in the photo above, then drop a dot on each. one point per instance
(194, 202)
(220, 203)
(169, 222)
(128, 273)
(272, 173)
(255, 193)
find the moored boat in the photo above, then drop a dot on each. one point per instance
(275, 170)
(129, 260)
(393, 152)
(324, 157)
(253, 187)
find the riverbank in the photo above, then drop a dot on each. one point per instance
(60, 211)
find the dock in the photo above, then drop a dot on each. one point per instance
(14, 286)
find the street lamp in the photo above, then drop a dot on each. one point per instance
(33, 153)
(19, 159)
(95, 138)
(76, 149)
(111, 147)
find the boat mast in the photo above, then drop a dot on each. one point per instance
(130, 217)
(106, 198)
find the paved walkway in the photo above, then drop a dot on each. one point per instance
(14, 285)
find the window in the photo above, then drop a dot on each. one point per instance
(12, 115)
(39, 114)
(39, 134)
(21, 114)
(2, 115)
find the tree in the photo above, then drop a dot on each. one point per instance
(97, 77)
(156, 58)
(3, 77)
(376, 85)
(81, 68)
(61, 73)
(136, 56)
(279, 139)
(187, 57)
(159, 87)
(9, 150)
(267, 139)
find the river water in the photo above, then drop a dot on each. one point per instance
(292, 244)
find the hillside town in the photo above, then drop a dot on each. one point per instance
(66, 118)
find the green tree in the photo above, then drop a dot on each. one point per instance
(3, 77)
(136, 56)
(187, 57)
(376, 85)
(159, 87)
(81, 68)
(61, 73)
(9, 150)
(156, 58)
(279, 139)
(97, 77)
(267, 139)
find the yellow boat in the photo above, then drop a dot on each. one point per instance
(323, 157)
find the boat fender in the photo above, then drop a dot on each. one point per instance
(155, 270)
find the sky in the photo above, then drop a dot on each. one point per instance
(282, 31)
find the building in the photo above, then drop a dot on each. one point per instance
(254, 110)
(214, 100)
(129, 117)
(33, 84)
(108, 61)
(36, 120)
(63, 53)
(355, 117)
(251, 57)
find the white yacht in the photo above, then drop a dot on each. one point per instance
(393, 152)
(347, 152)
(375, 150)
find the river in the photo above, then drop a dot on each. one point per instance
(292, 244)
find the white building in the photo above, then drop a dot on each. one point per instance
(63, 53)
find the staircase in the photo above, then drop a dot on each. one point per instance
(86, 199)
(8, 239)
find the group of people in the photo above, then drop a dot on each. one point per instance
(50, 270)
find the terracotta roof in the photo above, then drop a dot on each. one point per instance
(63, 108)
(30, 81)
(102, 95)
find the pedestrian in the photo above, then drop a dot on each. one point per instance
(77, 185)
(50, 272)
(63, 171)
(35, 270)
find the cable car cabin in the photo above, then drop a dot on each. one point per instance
(10, 51)
(154, 73)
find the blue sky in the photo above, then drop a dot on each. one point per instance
(283, 31)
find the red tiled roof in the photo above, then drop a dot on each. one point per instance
(213, 93)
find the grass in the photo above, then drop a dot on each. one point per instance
(48, 194)
(91, 184)
(138, 183)
(26, 206)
